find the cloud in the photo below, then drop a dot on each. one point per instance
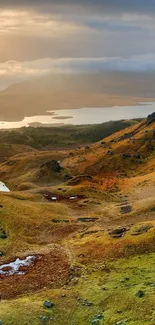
(36, 29)
(31, 23)
(15, 71)
(29, 34)
(77, 65)
(106, 5)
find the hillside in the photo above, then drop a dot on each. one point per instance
(84, 221)
(61, 137)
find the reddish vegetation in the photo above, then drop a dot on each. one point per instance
(98, 251)
(58, 198)
(50, 270)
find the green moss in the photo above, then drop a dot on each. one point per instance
(112, 294)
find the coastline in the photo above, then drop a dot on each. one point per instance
(17, 108)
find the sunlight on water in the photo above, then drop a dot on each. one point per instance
(84, 116)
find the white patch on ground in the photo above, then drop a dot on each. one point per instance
(73, 198)
(13, 268)
(3, 188)
(54, 198)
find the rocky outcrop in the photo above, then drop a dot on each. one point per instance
(150, 118)
(118, 232)
(53, 165)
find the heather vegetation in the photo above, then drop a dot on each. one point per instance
(63, 136)
(77, 229)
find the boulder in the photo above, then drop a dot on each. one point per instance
(150, 118)
(126, 209)
(53, 165)
(140, 161)
(137, 156)
(140, 294)
(48, 304)
(87, 219)
(126, 155)
(118, 232)
(3, 235)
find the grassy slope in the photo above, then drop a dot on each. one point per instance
(110, 270)
(65, 136)
(98, 270)
(118, 302)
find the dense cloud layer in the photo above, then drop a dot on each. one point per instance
(121, 31)
(13, 71)
(107, 5)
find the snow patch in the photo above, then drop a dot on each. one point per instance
(13, 268)
(3, 188)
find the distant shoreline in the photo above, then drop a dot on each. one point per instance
(16, 114)
(83, 116)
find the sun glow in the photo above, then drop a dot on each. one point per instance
(34, 23)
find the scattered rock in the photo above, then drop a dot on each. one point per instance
(141, 230)
(118, 232)
(137, 156)
(120, 323)
(1, 254)
(126, 209)
(97, 319)
(75, 271)
(110, 153)
(48, 304)
(63, 295)
(3, 234)
(100, 316)
(126, 155)
(53, 165)
(60, 221)
(95, 322)
(87, 219)
(87, 303)
(140, 294)
(44, 319)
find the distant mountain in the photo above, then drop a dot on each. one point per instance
(37, 96)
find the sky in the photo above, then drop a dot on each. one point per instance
(43, 36)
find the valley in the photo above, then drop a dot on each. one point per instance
(77, 229)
